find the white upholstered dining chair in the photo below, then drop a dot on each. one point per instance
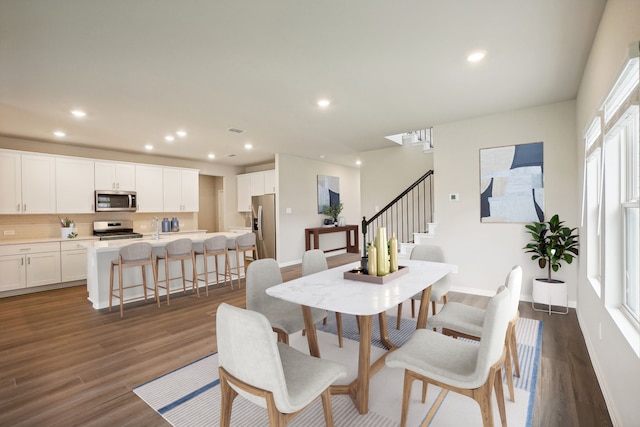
(285, 317)
(461, 320)
(314, 261)
(268, 373)
(439, 290)
(460, 366)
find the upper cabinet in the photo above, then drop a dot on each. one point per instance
(149, 188)
(74, 185)
(115, 176)
(254, 184)
(180, 190)
(28, 183)
(244, 192)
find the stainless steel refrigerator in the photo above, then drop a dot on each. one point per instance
(263, 212)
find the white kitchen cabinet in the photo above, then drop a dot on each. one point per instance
(11, 178)
(73, 261)
(115, 176)
(180, 190)
(257, 183)
(243, 191)
(270, 182)
(38, 184)
(74, 185)
(149, 188)
(29, 265)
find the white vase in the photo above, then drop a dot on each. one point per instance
(550, 294)
(65, 231)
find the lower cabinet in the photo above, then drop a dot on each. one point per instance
(29, 265)
(73, 261)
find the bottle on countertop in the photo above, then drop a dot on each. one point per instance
(175, 224)
(166, 225)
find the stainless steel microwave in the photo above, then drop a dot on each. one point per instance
(116, 201)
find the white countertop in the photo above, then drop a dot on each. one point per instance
(114, 245)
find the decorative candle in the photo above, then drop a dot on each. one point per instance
(373, 261)
(381, 247)
(393, 253)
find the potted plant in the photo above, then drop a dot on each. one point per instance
(333, 211)
(552, 243)
(68, 228)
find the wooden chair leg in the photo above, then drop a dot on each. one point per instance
(326, 406)
(166, 278)
(508, 366)
(514, 351)
(399, 317)
(413, 308)
(500, 397)
(406, 395)
(121, 291)
(227, 396)
(339, 325)
(144, 282)
(111, 285)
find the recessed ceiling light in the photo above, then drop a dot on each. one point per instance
(59, 134)
(78, 113)
(169, 138)
(148, 147)
(181, 133)
(476, 56)
(211, 156)
(358, 162)
(324, 103)
(248, 146)
(322, 156)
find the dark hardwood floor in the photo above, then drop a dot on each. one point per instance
(64, 363)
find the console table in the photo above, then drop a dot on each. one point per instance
(350, 230)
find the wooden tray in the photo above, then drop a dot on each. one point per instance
(359, 276)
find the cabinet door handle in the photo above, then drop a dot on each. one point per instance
(18, 208)
(22, 261)
(29, 260)
(24, 207)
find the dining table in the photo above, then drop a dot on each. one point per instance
(330, 290)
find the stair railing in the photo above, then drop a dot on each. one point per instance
(408, 213)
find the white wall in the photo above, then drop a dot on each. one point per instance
(615, 362)
(485, 252)
(297, 190)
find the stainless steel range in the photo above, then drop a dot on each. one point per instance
(115, 230)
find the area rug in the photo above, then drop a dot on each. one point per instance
(190, 396)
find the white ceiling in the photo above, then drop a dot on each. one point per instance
(145, 68)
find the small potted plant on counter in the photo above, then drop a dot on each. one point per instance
(552, 243)
(333, 211)
(68, 228)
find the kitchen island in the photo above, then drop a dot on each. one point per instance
(101, 253)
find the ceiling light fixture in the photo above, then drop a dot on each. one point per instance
(148, 147)
(211, 156)
(169, 138)
(324, 103)
(78, 113)
(59, 134)
(248, 146)
(181, 133)
(477, 56)
(358, 162)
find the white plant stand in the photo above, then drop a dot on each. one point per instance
(550, 294)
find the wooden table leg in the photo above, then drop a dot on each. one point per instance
(310, 328)
(424, 308)
(384, 332)
(360, 393)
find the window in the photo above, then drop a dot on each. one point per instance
(611, 201)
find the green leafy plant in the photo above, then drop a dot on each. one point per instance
(551, 244)
(332, 210)
(66, 222)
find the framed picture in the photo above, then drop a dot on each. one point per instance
(328, 191)
(511, 184)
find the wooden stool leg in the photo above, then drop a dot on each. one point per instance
(166, 278)
(121, 291)
(111, 285)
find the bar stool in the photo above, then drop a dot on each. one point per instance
(135, 255)
(178, 250)
(214, 246)
(244, 243)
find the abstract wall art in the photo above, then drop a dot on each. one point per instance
(328, 191)
(511, 184)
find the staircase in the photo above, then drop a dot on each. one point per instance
(408, 215)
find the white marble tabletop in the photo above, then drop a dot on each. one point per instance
(330, 291)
